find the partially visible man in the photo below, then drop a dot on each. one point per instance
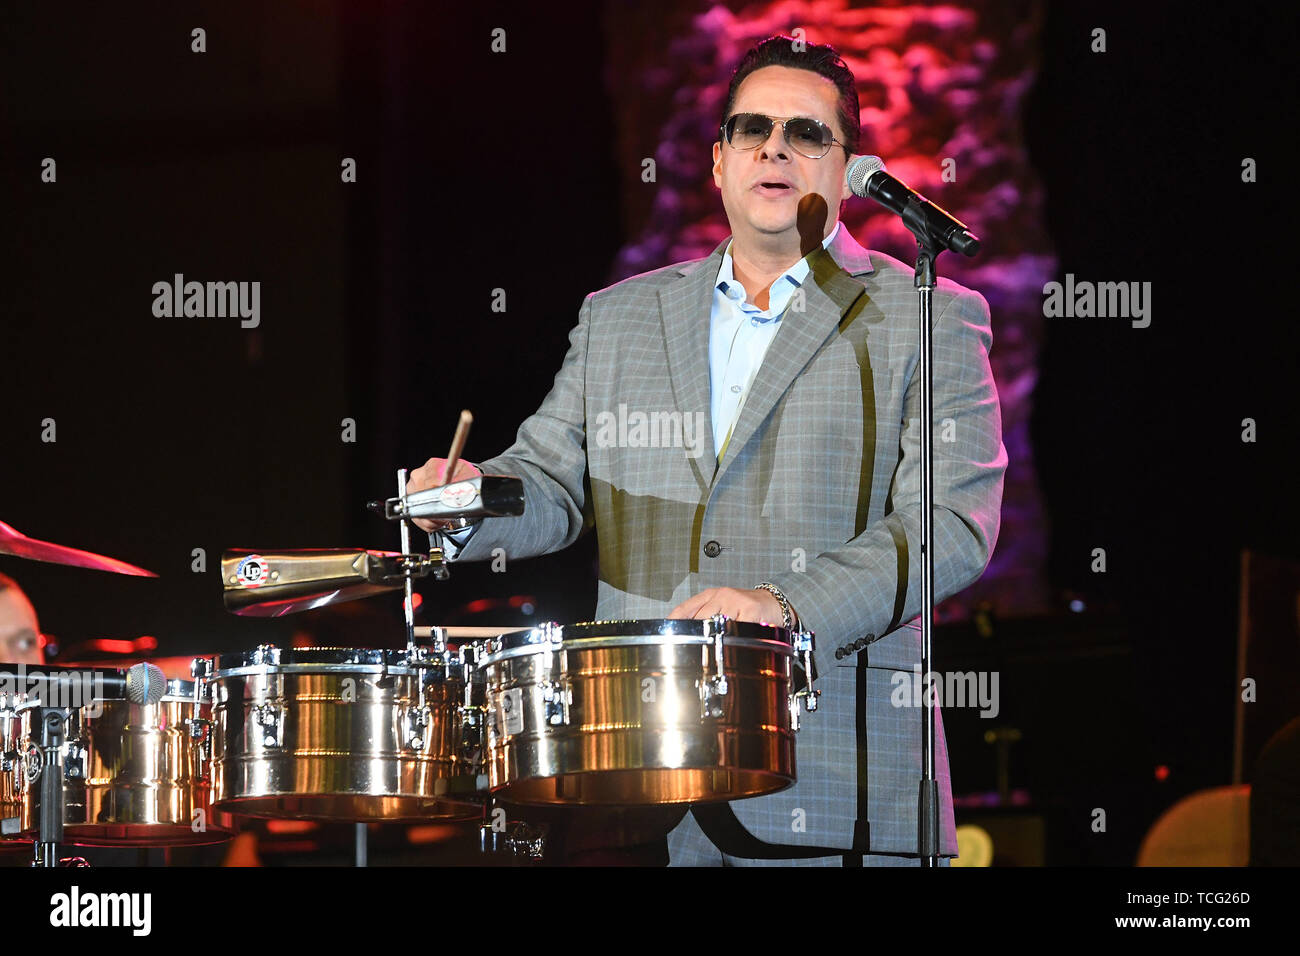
(20, 632)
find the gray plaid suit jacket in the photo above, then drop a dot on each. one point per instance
(817, 493)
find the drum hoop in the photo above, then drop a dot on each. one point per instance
(329, 660)
(641, 640)
(649, 627)
(403, 670)
(664, 626)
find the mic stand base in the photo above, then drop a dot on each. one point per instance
(50, 835)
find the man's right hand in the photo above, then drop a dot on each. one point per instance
(429, 475)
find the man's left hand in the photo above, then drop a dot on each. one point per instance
(760, 607)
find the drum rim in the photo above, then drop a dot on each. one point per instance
(636, 633)
(324, 660)
(678, 625)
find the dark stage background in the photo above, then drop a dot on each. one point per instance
(478, 171)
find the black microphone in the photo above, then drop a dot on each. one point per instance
(145, 683)
(867, 178)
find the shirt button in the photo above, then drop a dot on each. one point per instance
(735, 389)
(712, 549)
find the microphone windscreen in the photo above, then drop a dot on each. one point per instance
(145, 684)
(860, 170)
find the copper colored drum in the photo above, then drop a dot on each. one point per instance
(133, 773)
(638, 712)
(345, 734)
(11, 769)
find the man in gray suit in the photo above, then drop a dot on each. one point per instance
(793, 352)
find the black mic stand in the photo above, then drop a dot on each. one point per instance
(53, 730)
(928, 247)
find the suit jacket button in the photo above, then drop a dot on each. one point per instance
(712, 549)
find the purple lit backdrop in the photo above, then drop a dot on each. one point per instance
(934, 83)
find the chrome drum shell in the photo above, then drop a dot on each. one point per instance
(11, 769)
(618, 713)
(327, 734)
(134, 774)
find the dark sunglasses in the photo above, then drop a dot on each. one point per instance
(807, 137)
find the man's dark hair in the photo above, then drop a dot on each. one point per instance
(821, 59)
(7, 582)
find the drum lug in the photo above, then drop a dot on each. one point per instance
(269, 720)
(8, 720)
(467, 655)
(201, 671)
(557, 697)
(471, 714)
(710, 701)
(417, 723)
(198, 727)
(200, 731)
(715, 687)
(74, 762)
(803, 646)
(471, 729)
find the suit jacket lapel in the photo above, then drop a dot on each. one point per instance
(685, 307)
(829, 292)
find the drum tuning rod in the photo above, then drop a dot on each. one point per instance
(408, 590)
(457, 445)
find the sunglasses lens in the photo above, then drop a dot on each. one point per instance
(808, 137)
(748, 130)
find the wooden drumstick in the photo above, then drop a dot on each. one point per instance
(464, 633)
(457, 445)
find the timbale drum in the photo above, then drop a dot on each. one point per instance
(644, 712)
(133, 774)
(345, 734)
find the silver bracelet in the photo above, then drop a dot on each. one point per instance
(787, 616)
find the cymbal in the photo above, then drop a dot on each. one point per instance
(19, 545)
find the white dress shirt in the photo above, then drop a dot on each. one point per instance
(739, 334)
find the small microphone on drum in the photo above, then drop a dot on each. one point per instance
(145, 683)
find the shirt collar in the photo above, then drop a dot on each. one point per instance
(794, 275)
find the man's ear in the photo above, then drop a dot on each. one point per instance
(717, 164)
(845, 191)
